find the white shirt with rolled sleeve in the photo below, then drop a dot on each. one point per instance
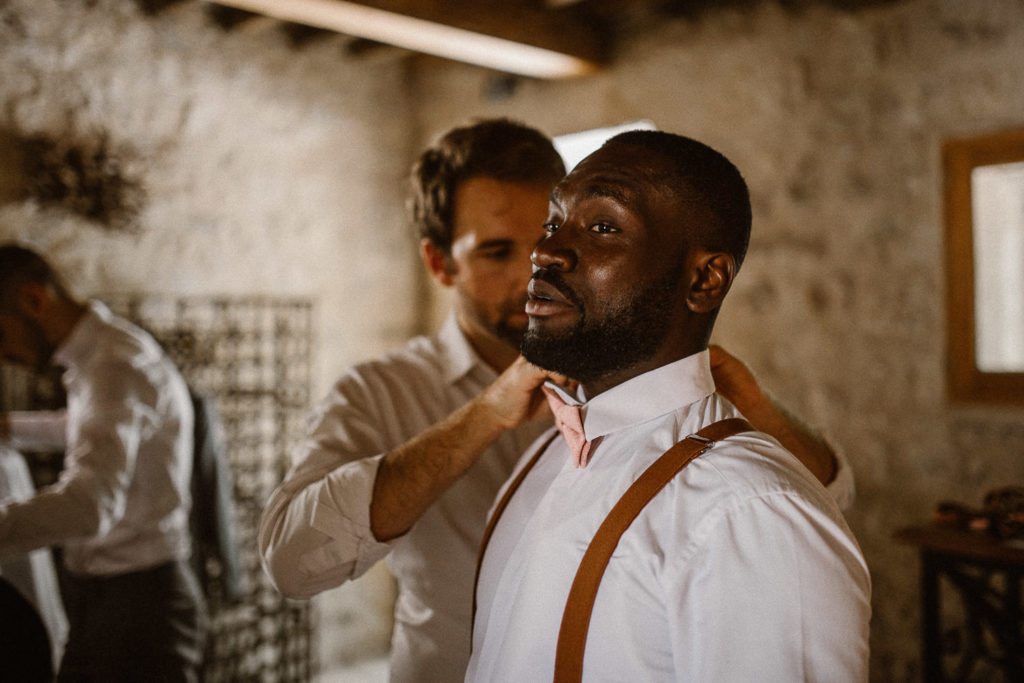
(741, 569)
(122, 501)
(315, 530)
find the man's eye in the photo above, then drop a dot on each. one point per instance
(603, 228)
(498, 254)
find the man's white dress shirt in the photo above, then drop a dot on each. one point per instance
(315, 531)
(122, 500)
(741, 569)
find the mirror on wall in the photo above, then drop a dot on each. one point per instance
(985, 266)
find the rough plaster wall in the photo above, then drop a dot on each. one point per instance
(275, 170)
(836, 120)
(268, 170)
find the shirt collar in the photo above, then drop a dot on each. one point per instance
(459, 357)
(81, 341)
(646, 396)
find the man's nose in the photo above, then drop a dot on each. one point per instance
(554, 251)
(522, 280)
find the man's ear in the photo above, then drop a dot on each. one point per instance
(712, 277)
(437, 262)
(32, 300)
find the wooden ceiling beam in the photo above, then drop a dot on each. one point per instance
(518, 36)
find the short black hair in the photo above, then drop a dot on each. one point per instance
(20, 265)
(701, 172)
(500, 149)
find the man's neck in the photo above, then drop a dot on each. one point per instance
(613, 379)
(66, 315)
(496, 352)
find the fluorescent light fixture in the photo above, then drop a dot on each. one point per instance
(574, 146)
(422, 35)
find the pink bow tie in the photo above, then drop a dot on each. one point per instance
(570, 423)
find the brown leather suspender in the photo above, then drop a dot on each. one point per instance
(572, 637)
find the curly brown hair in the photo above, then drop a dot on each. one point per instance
(501, 149)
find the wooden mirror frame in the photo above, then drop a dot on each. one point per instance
(965, 381)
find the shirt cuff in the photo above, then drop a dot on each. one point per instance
(38, 429)
(343, 510)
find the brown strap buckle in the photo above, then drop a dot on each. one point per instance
(708, 443)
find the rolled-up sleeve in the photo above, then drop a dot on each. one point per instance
(38, 429)
(315, 533)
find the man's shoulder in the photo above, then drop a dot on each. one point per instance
(390, 398)
(416, 372)
(115, 335)
(747, 465)
(421, 357)
(753, 466)
(121, 354)
(747, 479)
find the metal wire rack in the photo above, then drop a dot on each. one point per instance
(252, 356)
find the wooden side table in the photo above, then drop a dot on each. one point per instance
(982, 638)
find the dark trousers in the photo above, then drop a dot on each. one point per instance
(147, 625)
(24, 643)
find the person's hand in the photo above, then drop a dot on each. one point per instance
(734, 380)
(515, 397)
(737, 384)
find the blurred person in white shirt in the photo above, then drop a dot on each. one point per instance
(119, 510)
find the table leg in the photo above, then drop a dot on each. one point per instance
(931, 643)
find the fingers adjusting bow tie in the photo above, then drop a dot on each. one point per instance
(570, 424)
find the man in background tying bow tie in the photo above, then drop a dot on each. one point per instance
(404, 457)
(120, 508)
(739, 565)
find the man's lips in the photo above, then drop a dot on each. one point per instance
(543, 299)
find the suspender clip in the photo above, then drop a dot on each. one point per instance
(708, 443)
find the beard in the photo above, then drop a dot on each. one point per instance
(498, 321)
(507, 331)
(595, 348)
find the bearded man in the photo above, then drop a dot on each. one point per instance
(737, 565)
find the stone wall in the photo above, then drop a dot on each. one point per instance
(260, 166)
(267, 168)
(837, 121)
(276, 168)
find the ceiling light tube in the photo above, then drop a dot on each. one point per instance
(422, 36)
